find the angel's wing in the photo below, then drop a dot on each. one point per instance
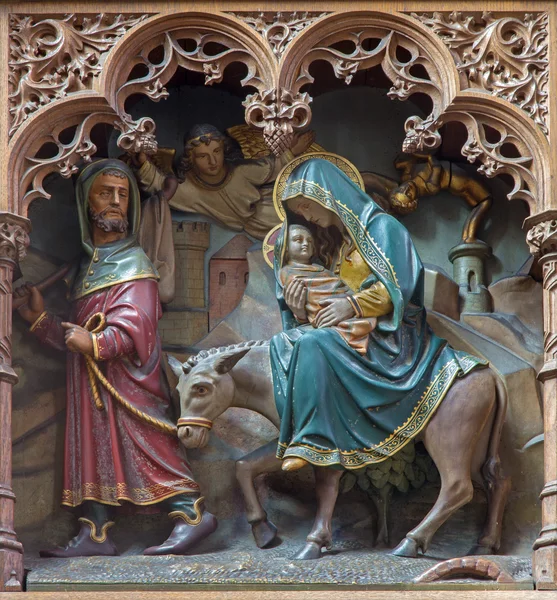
(253, 144)
(163, 159)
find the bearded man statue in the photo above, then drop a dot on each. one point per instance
(121, 446)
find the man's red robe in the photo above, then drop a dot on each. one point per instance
(111, 455)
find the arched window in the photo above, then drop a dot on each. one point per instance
(246, 278)
(222, 278)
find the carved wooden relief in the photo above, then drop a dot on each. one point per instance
(279, 29)
(507, 57)
(51, 58)
(373, 41)
(490, 73)
(278, 48)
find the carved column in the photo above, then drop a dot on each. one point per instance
(542, 239)
(13, 242)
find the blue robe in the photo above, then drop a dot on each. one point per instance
(339, 407)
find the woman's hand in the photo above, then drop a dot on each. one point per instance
(333, 312)
(295, 296)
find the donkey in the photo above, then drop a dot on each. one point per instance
(462, 438)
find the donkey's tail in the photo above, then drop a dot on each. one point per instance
(492, 471)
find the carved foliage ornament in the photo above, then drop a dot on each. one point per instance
(279, 29)
(51, 58)
(506, 56)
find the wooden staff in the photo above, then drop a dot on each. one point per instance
(43, 285)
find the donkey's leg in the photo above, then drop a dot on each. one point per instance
(497, 488)
(496, 483)
(468, 404)
(321, 535)
(262, 460)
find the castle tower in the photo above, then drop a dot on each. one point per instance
(186, 318)
(469, 272)
(228, 278)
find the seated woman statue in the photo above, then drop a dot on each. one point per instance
(340, 407)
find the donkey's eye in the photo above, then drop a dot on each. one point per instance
(201, 390)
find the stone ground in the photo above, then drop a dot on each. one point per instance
(229, 560)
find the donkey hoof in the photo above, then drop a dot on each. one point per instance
(310, 551)
(264, 533)
(408, 547)
(479, 550)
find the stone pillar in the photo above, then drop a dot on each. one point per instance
(186, 319)
(469, 272)
(542, 239)
(13, 242)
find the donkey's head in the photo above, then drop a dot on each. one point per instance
(206, 390)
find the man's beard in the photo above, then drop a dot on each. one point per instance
(119, 225)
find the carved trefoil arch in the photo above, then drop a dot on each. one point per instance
(91, 68)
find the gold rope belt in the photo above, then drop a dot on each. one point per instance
(96, 324)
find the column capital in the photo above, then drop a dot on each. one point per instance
(541, 232)
(14, 236)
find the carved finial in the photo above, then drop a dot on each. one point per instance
(279, 115)
(13, 584)
(137, 136)
(421, 135)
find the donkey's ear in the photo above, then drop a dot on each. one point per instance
(227, 360)
(175, 365)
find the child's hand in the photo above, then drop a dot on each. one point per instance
(295, 296)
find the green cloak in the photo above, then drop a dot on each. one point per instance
(117, 262)
(339, 407)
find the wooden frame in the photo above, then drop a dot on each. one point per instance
(45, 98)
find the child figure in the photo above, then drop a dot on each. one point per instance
(321, 284)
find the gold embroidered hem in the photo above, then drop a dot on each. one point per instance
(422, 413)
(114, 495)
(36, 323)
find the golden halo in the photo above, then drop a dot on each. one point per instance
(269, 245)
(339, 161)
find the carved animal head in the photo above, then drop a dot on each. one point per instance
(206, 390)
(404, 198)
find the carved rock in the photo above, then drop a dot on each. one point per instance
(507, 56)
